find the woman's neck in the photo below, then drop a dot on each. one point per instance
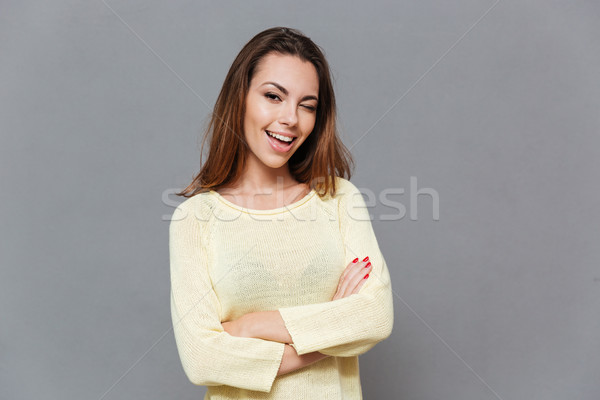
(261, 187)
(259, 178)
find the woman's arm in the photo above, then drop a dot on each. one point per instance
(351, 325)
(209, 355)
(348, 326)
(269, 325)
(291, 361)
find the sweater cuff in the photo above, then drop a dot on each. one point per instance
(297, 339)
(304, 328)
(270, 372)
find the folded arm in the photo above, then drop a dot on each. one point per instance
(351, 325)
(353, 334)
(344, 327)
(210, 356)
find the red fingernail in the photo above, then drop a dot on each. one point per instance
(355, 260)
(368, 265)
(366, 259)
(366, 276)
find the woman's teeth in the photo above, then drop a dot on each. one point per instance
(280, 137)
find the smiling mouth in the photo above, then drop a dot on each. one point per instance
(277, 137)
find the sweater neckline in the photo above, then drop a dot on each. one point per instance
(278, 210)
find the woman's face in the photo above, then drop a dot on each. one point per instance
(280, 108)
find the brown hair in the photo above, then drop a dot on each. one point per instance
(317, 161)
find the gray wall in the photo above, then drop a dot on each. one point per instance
(492, 106)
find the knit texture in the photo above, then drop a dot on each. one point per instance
(227, 261)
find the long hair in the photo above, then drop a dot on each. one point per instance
(316, 162)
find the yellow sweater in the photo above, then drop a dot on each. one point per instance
(227, 261)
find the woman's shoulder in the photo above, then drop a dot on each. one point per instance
(344, 188)
(201, 205)
(344, 193)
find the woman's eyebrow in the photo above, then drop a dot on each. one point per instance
(285, 91)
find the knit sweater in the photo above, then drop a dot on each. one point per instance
(227, 261)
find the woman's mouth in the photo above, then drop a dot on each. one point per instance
(278, 142)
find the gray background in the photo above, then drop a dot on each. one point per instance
(493, 105)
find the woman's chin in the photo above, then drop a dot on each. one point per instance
(275, 162)
(269, 159)
(278, 165)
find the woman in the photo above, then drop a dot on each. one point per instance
(277, 281)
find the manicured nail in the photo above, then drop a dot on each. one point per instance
(366, 259)
(368, 265)
(366, 276)
(355, 260)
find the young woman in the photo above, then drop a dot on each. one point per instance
(277, 280)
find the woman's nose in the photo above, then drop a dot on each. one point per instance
(289, 114)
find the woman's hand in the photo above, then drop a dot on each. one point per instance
(237, 327)
(267, 325)
(353, 278)
(291, 361)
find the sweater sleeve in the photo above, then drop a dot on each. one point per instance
(210, 356)
(352, 325)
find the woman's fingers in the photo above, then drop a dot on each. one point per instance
(353, 277)
(346, 270)
(360, 284)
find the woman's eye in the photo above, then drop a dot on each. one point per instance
(309, 108)
(271, 96)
